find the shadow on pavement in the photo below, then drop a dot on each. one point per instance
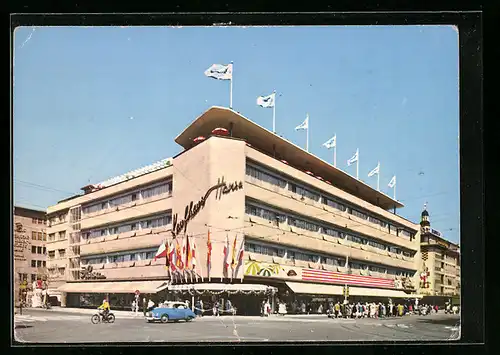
(446, 321)
(17, 326)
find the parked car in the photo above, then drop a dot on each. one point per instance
(170, 311)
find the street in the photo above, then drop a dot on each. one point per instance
(38, 326)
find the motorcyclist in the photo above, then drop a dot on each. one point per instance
(105, 308)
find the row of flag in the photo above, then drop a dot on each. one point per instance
(225, 72)
(181, 261)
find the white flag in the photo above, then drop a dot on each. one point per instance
(266, 101)
(392, 183)
(220, 71)
(303, 125)
(354, 158)
(332, 142)
(374, 171)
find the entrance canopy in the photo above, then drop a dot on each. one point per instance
(222, 287)
(115, 287)
(376, 292)
(315, 289)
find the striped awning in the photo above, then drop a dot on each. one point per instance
(114, 287)
(221, 287)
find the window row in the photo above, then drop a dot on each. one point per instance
(38, 250)
(61, 218)
(121, 257)
(296, 254)
(38, 263)
(38, 221)
(60, 236)
(313, 227)
(38, 236)
(262, 175)
(145, 193)
(52, 253)
(154, 222)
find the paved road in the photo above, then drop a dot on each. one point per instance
(44, 327)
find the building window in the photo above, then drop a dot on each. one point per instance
(303, 224)
(52, 237)
(62, 235)
(39, 250)
(334, 204)
(44, 263)
(303, 192)
(44, 250)
(39, 263)
(33, 278)
(52, 254)
(155, 191)
(33, 235)
(264, 176)
(33, 263)
(40, 237)
(62, 253)
(33, 249)
(44, 235)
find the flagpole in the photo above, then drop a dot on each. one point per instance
(307, 134)
(231, 87)
(357, 164)
(335, 152)
(274, 112)
(395, 191)
(378, 178)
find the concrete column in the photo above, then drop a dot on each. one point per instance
(273, 301)
(63, 299)
(192, 303)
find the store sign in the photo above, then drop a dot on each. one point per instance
(21, 242)
(191, 211)
(436, 232)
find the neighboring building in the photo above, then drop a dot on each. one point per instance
(29, 247)
(307, 228)
(440, 268)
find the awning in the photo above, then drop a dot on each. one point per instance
(222, 287)
(114, 287)
(314, 289)
(377, 292)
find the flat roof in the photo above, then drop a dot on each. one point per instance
(29, 212)
(265, 140)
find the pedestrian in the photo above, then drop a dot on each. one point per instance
(282, 309)
(436, 308)
(201, 308)
(151, 305)
(337, 309)
(320, 309)
(410, 309)
(268, 308)
(133, 306)
(383, 310)
(144, 306)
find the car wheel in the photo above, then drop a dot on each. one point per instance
(164, 318)
(189, 319)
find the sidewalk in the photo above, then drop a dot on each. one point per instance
(121, 314)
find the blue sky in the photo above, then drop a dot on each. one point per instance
(92, 103)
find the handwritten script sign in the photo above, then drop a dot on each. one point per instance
(21, 242)
(221, 188)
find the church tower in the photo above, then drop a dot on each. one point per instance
(425, 223)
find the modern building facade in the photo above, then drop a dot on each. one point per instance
(307, 229)
(440, 268)
(29, 248)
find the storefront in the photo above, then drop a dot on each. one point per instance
(245, 298)
(120, 294)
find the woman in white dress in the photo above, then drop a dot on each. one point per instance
(282, 308)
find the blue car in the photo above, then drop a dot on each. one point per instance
(170, 311)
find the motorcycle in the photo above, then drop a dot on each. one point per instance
(99, 317)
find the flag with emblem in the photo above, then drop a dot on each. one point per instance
(209, 254)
